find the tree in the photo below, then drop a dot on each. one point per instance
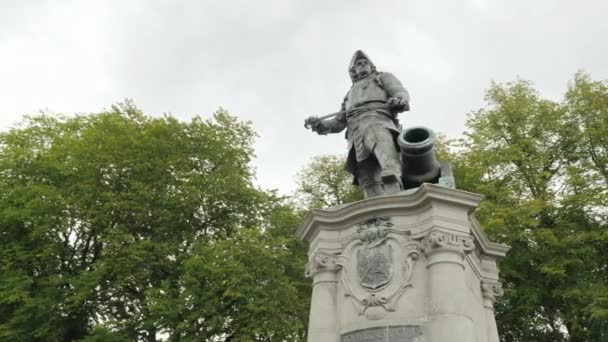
(324, 183)
(104, 218)
(587, 104)
(540, 165)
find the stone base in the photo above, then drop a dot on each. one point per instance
(409, 267)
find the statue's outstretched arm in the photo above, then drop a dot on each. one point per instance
(323, 127)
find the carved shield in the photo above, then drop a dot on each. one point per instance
(375, 266)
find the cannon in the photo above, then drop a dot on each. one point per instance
(418, 161)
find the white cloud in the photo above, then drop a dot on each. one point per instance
(277, 62)
(56, 58)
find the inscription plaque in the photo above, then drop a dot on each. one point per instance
(394, 333)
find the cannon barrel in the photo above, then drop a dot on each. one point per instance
(418, 161)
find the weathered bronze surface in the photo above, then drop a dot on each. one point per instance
(369, 114)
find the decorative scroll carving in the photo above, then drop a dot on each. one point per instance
(321, 261)
(439, 241)
(490, 289)
(377, 267)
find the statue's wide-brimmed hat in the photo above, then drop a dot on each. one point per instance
(359, 54)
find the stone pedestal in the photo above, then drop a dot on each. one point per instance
(409, 267)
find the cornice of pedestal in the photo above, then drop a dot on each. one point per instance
(406, 202)
(335, 217)
(487, 247)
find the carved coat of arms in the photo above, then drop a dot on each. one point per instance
(375, 259)
(382, 267)
(375, 265)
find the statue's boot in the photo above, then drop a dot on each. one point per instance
(390, 165)
(368, 175)
(392, 187)
(373, 189)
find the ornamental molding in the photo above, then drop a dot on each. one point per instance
(321, 261)
(441, 241)
(491, 289)
(405, 203)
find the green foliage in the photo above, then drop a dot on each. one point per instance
(106, 221)
(239, 288)
(542, 166)
(324, 183)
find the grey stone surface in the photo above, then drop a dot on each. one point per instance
(433, 268)
(399, 333)
(447, 176)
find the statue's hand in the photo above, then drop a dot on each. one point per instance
(312, 122)
(315, 125)
(398, 103)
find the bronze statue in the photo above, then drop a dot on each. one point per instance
(369, 113)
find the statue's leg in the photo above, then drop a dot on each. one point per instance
(390, 164)
(368, 173)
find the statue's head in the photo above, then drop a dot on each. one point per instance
(360, 66)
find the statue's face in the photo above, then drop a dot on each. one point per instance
(363, 68)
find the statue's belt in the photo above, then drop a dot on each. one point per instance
(367, 108)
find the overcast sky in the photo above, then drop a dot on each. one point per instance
(277, 62)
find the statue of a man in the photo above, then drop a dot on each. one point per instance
(369, 113)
